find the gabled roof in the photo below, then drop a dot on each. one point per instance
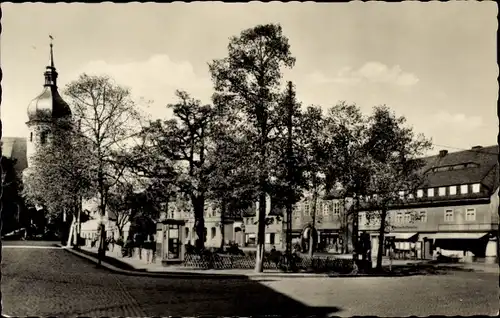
(484, 170)
(15, 148)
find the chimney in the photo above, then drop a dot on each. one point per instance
(443, 153)
(476, 147)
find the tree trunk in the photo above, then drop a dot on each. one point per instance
(381, 236)
(199, 223)
(312, 236)
(222, 220)
(261, 233)
(71, 232)
(355, 230)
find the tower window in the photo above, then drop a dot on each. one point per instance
(31, 136)
(43, 137)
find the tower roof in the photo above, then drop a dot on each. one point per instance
(49, 104)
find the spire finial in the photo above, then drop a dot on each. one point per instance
(51, 51)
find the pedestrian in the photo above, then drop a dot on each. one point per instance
(148, 247)
(153, 249)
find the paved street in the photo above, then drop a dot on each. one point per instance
(43, 282)
(40, 281)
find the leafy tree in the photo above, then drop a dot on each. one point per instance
(109, 121)
(315, 152)
(184, 141)
(60, 173)
(247, 81)
(345, 136)
(120, 200)
(232, 182)
(393, 149)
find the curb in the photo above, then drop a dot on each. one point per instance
(151, 274)
(175, 274)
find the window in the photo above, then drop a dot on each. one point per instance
(470, 215)
(476, 187)
(464, 189)
(448, 215)
(399, 217)
(422, 216)
(430, 192)
(336, 208)
(186, 230)
(269, 238)
(325, 207)
(43, 137)
(401, 194)
(442, 191)
(252, 221)
(306, 208)
(453, 190)
(408, 217)
(420, 193)
(410, 196)
(31, 136)
(362, 218)
(213, 232)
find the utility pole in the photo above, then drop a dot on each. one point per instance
(289, 209)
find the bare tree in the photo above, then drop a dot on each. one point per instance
(109, 121)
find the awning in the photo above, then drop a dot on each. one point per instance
(252, 236)
(449, 235)
(401, 236)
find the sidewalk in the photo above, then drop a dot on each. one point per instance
(136, 265)
(141, 267)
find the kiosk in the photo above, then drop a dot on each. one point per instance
(170, 241)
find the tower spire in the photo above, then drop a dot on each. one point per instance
(51, 62)
(50, 72)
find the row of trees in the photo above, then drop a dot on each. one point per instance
(254, 140)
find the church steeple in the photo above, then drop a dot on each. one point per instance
(50, 72)
(49, 104)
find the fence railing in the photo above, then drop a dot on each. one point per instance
(301, 262)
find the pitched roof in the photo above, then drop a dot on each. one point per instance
(483, 167)
(15, 148)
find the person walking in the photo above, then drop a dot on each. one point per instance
(153, 248)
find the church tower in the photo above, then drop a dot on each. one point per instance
(46, 112)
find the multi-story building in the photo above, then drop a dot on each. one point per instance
(455, 211)
(274, 236)
(332, 222)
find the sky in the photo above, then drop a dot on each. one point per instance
(434, 63)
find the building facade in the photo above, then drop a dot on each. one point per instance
(453, 213)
